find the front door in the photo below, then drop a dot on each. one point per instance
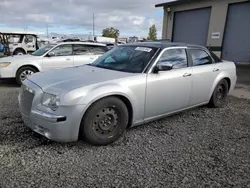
(169, 91)
(62, 58)
(29, 43)
(204, 75)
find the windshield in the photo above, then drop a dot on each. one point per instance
(131, 59)
(43, 50)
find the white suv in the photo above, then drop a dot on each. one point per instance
(54, 56)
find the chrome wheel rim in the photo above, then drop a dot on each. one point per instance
(25, 74)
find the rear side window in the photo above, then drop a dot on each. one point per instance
(98, 50)
(200, 57)
(80, 49)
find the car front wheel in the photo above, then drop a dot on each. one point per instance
(105, 121)
(23, 73)
(219, 95)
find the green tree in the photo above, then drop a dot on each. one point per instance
(111, 32)
(152, 34)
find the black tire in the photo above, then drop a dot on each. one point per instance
(219, 95)
(105, 121)
(19, 74)
(19, 52)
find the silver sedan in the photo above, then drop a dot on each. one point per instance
(128, 86)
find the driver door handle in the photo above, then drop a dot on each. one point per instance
(187, 74)
(67, 59)
(215, 70)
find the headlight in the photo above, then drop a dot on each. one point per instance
(4, 64)
(51, 101)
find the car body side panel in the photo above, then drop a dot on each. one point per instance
(18, 62)
(57, 62)
(203, 80)
(133, 89)
(168, 91)
(227, 69)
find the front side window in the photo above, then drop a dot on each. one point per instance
(131, 59)
(200, 57)
(176, 58)
(29, 38)
(81, 49)
(43, 50)
(63, 50)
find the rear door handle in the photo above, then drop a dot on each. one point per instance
(68, 59)
(215, 70)
(187, 74)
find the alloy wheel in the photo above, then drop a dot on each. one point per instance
(25, 74)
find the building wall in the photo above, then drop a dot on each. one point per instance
(217, 20)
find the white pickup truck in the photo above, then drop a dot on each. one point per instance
(54, 56)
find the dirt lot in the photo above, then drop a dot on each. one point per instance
(197, 148)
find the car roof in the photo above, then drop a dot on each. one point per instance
(86, 43)
(162, 44)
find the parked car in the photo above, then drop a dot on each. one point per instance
(129, 85)
(53, 56)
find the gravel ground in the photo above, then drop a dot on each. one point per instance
(197, 148)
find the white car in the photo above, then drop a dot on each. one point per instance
(54, 56)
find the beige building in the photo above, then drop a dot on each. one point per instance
(221, 25)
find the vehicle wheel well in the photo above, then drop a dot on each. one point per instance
(126, 102)
(129, 107)
(32, 66)
(19, 49)
(228, 82)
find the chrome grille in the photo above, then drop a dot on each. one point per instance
(26, 99)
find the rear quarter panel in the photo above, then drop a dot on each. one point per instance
(227, 70)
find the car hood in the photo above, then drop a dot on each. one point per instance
(19, 58)
(67, 79)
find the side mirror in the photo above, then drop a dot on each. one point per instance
(51, 54)
(162, 67)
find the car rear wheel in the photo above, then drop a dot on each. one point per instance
(105, 121)
(219, 95)
(23, 73)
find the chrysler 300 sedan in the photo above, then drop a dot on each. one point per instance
(127, 86)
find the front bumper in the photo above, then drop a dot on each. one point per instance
(61, 126)
(6, 72)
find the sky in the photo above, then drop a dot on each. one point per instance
(131, 17)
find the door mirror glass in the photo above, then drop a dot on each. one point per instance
(51, 54)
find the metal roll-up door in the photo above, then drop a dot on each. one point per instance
(236, 42)
(192, 26)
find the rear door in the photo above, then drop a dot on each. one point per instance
(204, 75)
(63, 57)
(82, 54)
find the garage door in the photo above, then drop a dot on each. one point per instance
(192, 26)
(236, 45)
